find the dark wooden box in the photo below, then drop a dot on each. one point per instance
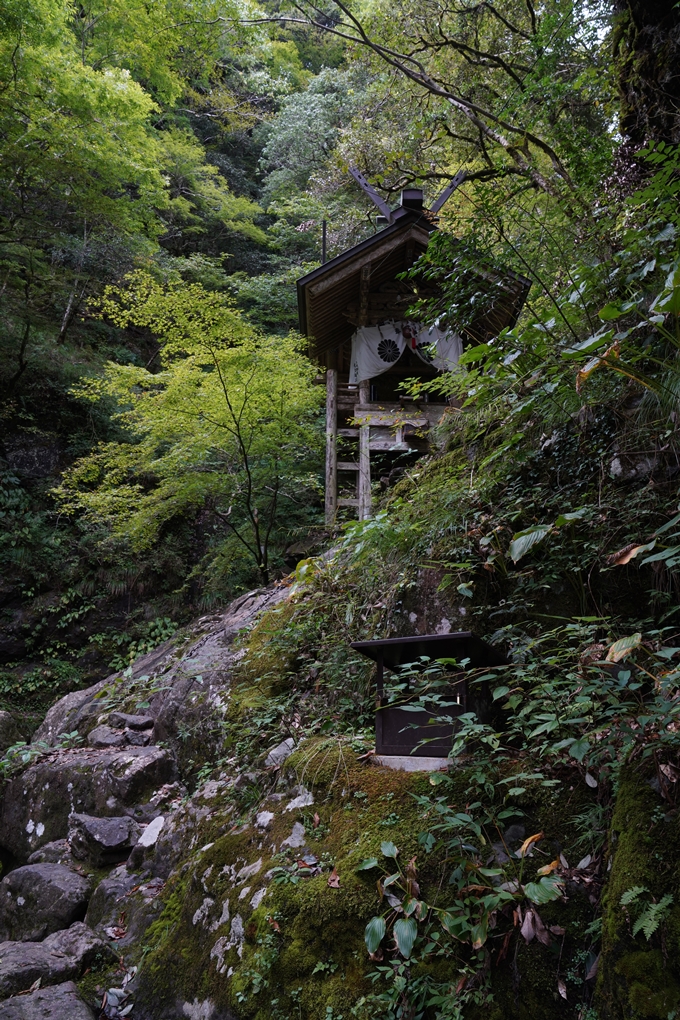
(399, 731)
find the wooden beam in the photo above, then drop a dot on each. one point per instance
(331, 504)
(364, 288)
(364, 481)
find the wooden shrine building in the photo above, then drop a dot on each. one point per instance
(353, 308)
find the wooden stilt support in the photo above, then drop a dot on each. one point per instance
(364, 481)
(331, 445)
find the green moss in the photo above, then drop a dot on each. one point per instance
(640, 978)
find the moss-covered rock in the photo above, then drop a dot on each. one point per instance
(640, 973)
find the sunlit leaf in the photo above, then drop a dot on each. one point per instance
(523, 541)
(623, 647)
(388, 849)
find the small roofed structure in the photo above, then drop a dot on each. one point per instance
(398, 729)
(354, 311)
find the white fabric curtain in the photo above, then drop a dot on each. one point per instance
(376, 348)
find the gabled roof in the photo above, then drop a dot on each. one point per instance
(325, 294)
(328, 295)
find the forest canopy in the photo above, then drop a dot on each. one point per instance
(164, 177)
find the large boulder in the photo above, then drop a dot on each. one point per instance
(60, 1002)
(122, 907)
(102, 841)
(38, 803)
(39, 899)
(63, 956)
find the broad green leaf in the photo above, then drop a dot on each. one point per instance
(500, 692)
(374, 934)
(523, 541)
(579, 749)
(544, 891)
(623, 647)
(576, 515)
(389, 849)
(609, 312)
(405, 933)
(370, 862)
(466, 590)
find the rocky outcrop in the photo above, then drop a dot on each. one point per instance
(115, 802)
(39, 899)
(38, 803)
(59, 1002)
(62, 956)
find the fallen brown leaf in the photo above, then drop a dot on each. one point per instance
(316, 820)
(562, 988)
(528, 843)
(334, 879)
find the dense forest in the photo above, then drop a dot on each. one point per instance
(167, 172)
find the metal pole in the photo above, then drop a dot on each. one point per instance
(323, 243)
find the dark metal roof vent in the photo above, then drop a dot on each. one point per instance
(411, 198)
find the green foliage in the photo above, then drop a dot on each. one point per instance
(227, 428)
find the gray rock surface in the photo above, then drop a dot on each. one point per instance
(39, 899)
(60, 1002)
(121, 720)
(63, 956)
(37, 803)
(104, 736)
(102, 841)
(66, 713)
(123, 906)
(9, 731)
(58, 852)
(278, 754)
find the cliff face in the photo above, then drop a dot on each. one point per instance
(176, 862)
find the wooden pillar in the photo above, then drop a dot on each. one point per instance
(364, 483)
(380, 701)
(331, 444)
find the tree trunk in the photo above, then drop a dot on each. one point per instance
(647, 58)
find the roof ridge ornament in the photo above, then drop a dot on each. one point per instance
(409, 196)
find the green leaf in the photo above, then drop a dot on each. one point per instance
(370, 862)
(374, 934)
(389, 849)
(545, 890)
(466, 590)
(609, 312)
(576, 515)
(523, 541)
(623, 647)
(456, 925)
(405, 933)
(500, 692)
(474, 354)
(579, 749)
(478, 933)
